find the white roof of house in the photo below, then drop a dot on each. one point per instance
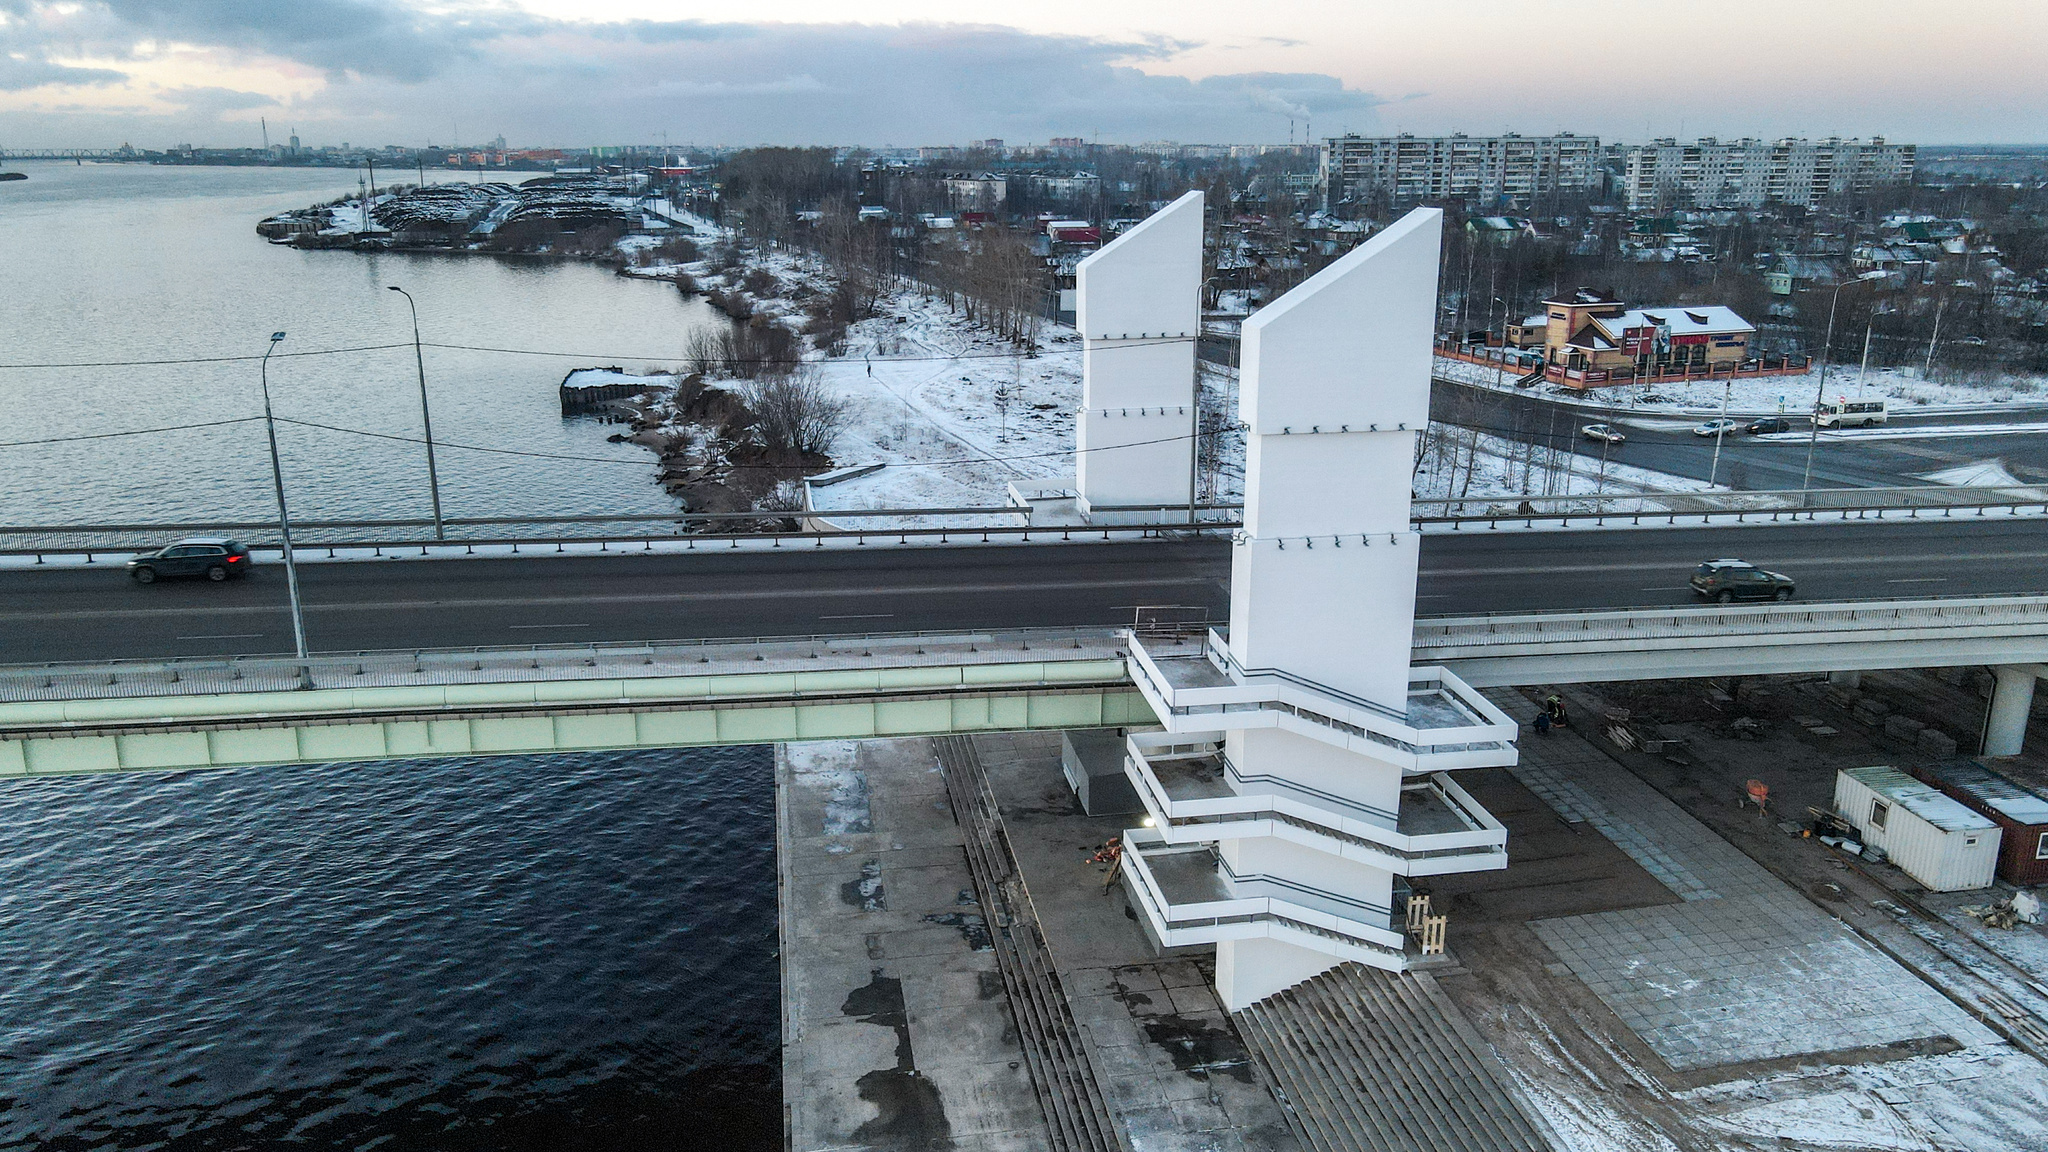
(1922, 800)
(1690, 320)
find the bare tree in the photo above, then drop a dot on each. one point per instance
(795, 413)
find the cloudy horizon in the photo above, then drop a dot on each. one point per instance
(95, 73)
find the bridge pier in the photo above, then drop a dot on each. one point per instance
(2012, 701)
(1852, 679)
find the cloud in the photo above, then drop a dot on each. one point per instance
(18, 74)
(364, 37)
(216, 100)
(398, 74)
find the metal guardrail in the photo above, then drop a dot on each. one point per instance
(1771, 504)
(100, 679)
(628, 530)
(1794, 622)
(128, 540)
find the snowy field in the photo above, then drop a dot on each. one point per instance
(955, 416)
(1772, 395)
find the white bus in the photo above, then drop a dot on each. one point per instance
(1850, 414)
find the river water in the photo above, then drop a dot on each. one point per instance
(125, 262)
(558, 952)
(546, 952)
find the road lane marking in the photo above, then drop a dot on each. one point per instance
(226, 636)
(1921, 580)
(675, 598)
(520, 627)
(861, 616)
(1672, 588)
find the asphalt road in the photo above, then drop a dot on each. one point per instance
(63, 615)
(1666, 443)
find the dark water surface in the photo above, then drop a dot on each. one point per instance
(560, 952)
(123, 262)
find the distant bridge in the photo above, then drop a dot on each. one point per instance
(70, 154)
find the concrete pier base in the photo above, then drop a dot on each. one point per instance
(1251, 970)
(2012, 701)
(1846, 679)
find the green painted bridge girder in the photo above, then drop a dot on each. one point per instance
(169, 733)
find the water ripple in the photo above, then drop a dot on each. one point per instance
(561, 952)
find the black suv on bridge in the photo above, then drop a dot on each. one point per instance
(1731, 580)
(214, 557)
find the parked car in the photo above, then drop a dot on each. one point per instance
(1606, 433)
(1716, 427)
(1731, 580)
(1763, 424)
(214, 557)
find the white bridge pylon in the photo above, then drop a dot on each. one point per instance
(1304, 774)
(1138, 306)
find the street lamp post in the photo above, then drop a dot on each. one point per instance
(426, 417)
(284, 518)
(1820, 390)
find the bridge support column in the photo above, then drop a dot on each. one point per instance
(2012, 701)
(1846, 679)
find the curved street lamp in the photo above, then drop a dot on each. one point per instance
(426, 418)
(284, 518)
(1820, 390)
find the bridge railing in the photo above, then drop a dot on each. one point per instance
(526, 662)
(695, 530)
(1793, 620)
(1652, 508)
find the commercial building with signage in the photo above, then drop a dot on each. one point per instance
(1589, 331)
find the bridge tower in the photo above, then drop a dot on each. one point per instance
(1138, 306)
(1303, 777)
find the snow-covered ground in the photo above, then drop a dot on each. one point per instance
(1772, 395)
(955, 415)
(1503, 471)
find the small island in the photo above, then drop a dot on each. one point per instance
(583, 215)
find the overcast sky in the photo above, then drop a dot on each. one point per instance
(905, 72)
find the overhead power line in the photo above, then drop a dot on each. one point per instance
(621, 356)
(438, 443)
(130, 432)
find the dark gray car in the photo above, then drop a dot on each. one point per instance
(214, 557)
(1731, 580)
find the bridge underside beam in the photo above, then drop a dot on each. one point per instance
(229, 743)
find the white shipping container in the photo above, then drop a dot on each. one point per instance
(1931, 837)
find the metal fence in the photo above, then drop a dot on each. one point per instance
(710, 530)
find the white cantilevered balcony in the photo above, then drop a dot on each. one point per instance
(1195, 794)
(1198, 687)
(1187, 898)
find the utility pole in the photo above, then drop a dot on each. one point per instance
(1927, 373)
(426, 417)
(1863, 376)
(284, 518)
(1720, 430)
(1826, 351)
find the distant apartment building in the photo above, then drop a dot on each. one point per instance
(1081, 188)
(984, 193)
(1411, 169)
(1753, 173)
(1067, 144)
